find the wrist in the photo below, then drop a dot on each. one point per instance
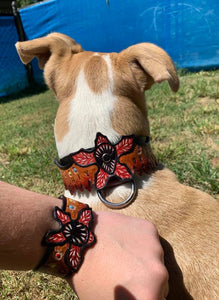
(67, 244)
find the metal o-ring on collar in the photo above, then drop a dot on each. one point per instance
(120, 204)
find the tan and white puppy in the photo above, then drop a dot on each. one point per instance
(104, 92)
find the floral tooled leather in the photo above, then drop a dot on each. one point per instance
(68, 243)
(78, 178)
(96, 166)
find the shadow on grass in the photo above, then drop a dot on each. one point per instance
(29, 91)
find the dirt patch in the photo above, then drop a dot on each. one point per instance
(4, 160)
(207, 101)
(210, 143)
(215, 162)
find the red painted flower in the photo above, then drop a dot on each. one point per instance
(106, 156)
(75, 233)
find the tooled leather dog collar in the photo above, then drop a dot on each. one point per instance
(106, 165)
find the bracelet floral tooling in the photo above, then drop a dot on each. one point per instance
(66, 245)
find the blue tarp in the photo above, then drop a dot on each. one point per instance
(187, 30)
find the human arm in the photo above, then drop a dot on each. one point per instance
(125, 263)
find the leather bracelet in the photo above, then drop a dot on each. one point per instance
(66, 246)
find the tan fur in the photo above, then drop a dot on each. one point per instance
(61, 122)
(96, 74)
(124, 79)
(186, 218)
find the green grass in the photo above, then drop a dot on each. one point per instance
(184, 136)
(184, 129)
(27, 143)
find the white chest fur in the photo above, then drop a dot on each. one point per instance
(89, 113)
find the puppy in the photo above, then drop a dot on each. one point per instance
(104, 93)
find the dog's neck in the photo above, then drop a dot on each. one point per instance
(84, 138)
(108, 166)
(87, 112)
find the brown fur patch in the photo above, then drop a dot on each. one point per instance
(96, 74)
(66, 72)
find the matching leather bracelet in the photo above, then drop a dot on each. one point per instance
(67, 245)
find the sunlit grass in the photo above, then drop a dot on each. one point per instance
(185, 128)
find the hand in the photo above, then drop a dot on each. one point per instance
(125, 263)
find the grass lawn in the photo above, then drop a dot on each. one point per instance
(184, 137)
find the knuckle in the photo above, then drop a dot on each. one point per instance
(150, 227)
(162, 273)
(159, 270)
(158, 251)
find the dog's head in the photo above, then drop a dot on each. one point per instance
(98, 92)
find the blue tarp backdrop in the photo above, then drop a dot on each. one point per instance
(187, 30)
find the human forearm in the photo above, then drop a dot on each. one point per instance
(125, 263)
(25, 217)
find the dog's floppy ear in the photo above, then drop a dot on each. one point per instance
(153, 61)
(43, 48)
